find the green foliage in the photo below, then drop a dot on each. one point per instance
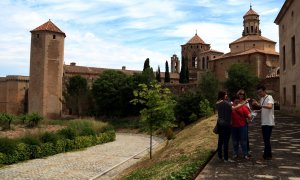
(158, 77)
(241, 77)
(209, 88)
(31, 140)
(112, 92)
(184, 73)
(167, 73)
(205, 108)
(49, 137)
(67, 133)
(5, 120)
(7, 146)
(33, 119)
(77, 95)
(146, 64)
(158, 112)
(188, 104)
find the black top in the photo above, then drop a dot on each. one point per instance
(224, 113)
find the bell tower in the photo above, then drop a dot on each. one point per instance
(251, 23)
(175, 65)
(46, 70)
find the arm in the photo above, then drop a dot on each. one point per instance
(240, 105)
(268, 106)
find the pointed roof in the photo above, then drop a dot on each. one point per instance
(251, 12)
(252, 38)
(48, 26)
(195, 40)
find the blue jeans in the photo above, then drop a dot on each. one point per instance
(239, 137)
(224, 136)
(266, 132)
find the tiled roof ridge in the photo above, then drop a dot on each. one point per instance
(196, 40)
(48, 26)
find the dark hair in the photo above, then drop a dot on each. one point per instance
(235, 97)
(262, 87)
(221, 95)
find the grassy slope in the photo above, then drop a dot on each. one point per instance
(181, 157)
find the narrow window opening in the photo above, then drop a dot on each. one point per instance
(38, 35)
(54, 37)
(283, 58)
(294, 95)
(293, 50)
(284, 95)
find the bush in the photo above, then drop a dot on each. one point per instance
(67, 133)
(5, 120)
(33, 119)
(205, 109)
(7, 146)
(49, 137)
(31, 140)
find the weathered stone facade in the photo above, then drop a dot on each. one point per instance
(252, 49)
(46, 70)
(197, 54)
(14, 94)
(288, 21)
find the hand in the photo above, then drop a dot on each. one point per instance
(254, 102)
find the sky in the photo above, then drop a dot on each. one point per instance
(116, 33)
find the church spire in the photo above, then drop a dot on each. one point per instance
(251, 23)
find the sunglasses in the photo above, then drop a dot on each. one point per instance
(242, 94)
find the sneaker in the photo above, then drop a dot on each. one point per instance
(247, 157)
(229, 160)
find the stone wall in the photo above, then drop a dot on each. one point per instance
(13, 94)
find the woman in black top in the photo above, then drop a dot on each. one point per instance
(224, 124)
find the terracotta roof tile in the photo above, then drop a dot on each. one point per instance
(251, 12)
(69, 69)
(252, 38)
(48, 26)
(195, 40)
(250, 51)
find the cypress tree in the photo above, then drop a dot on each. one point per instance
(167, 73)
(146, 64)
(183, 72)
(158, 78)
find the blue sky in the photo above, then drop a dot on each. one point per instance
(116, 33)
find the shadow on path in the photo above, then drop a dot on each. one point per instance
(285, 142)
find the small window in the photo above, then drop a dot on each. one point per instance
(283, 58)
(37, 35)
(54, 37)
(292, 13)
(197, 46)
(293, 50)
(214, 56)
(284, 95)
(294, 95)
(252, 29)
(282, 26)
(237, 46)
(253, 45)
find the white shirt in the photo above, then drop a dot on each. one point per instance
(267, 115)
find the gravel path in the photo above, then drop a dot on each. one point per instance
(86, 164)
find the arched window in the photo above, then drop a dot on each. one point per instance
(207, 59)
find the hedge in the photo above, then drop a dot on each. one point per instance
(24, 151)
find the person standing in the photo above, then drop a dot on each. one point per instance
(242, 97)
(267, 119)
(224, 124)
(239, 127)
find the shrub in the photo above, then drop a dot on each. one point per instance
(22, 152)
(33, 119)
(205, 109)
(5, 120)
(67, 133)
(30, 140)
(7, 146)
(60, 145)
(49, 137)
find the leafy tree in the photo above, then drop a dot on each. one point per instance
(159, 108)
(209, 88)
(76, 95)
(240, 76)
(146, 64)
(167, 73)
(188, 106)
(158, 78)
(112, 92)
(184, 73)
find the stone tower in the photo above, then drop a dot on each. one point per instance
(46, 70)
(175, 64)
(251, 23)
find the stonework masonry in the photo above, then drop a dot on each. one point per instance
(288, 21)
(46, 70)
(13, 94)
